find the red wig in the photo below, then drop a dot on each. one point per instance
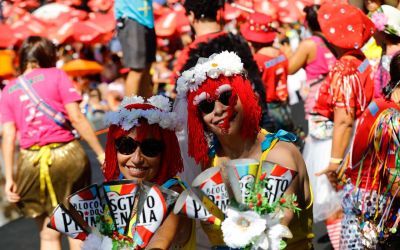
(171, 161)
(241, 87)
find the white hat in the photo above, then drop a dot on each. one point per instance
(387, 19)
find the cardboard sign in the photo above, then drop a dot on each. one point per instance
(64, 222)
(87, 202)
(120, 196)
(278, 180)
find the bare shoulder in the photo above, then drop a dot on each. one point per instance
(287, 155)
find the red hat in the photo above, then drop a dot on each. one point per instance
(259, 28)
(344, 25)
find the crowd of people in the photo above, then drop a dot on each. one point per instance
(222, 90)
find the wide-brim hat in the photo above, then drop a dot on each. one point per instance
(259, 28)
(345, 25)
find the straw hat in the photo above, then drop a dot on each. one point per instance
(344, 25)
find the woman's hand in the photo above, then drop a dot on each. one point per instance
(330, 172)
(11, 191)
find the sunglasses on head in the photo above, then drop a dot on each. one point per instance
(149, 147)
(207, 106)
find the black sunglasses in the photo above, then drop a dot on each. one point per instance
(149, 147)
(207, 106)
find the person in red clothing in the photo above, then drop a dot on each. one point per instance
(273, 65)
(202, 15)
(342, 97)
(372, 171)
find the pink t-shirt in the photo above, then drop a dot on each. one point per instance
(54, 87)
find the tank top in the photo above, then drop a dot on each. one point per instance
(364, 155)
(300, 226)
(316, 70)
(274, 72)
(353, 88)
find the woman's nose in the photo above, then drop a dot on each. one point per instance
(219, 108)
(137, 157)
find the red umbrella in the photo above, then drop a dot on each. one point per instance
(28, 25)
(165, 26)
(61, 33)
(7, 37)
(289, 11)
(100, 5)
(106, 22)
(87, 32)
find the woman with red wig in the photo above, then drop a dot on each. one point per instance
(141, 145)
(216, 101)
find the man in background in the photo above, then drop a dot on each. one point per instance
(135, 25)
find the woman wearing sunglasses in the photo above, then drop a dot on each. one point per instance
(217, 102)
(141, 145)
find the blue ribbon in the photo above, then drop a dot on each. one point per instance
(281, 135)
(174, 181)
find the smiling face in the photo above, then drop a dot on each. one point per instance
(137, 157)
(221, 110)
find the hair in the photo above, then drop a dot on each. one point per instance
(198, 145)
(36, 49)
(237, 44)
(204, 9)
(394, 76)
(312, 16)
(97, 90)
(171, 161)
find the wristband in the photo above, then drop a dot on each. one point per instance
(336, 160)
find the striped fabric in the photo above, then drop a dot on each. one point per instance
(333, 227)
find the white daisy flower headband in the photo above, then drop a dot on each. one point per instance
(225, 63)
(161, 114)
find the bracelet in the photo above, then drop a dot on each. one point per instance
(336, 160)
(101, 158)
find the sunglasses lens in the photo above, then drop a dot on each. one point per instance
(126, 145)
(225, 97)
(151, 147)
(206, 106)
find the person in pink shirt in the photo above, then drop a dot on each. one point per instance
(48, 151)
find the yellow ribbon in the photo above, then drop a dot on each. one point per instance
(44, 160)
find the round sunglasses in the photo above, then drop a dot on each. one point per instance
(149, 147)
(207, 106)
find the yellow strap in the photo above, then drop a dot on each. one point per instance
(44, 160)
(264, 157)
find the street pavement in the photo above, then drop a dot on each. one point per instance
(23, 234)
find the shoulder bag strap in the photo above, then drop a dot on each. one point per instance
(42, 106)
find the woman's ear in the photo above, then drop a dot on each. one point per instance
(191, 17)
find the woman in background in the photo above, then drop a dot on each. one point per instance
(51, 162)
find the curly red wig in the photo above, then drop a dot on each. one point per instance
(198, 146)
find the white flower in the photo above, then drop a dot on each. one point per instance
(106, 244)
(93, 241)
(160, 102)
(132, 100)
(225, 63)
(274, 233)
(241, 228)
(165, 122)
(152, 116)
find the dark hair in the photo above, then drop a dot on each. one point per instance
(394, 75)
(312, 16)
(36, 49)
(206, 9)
